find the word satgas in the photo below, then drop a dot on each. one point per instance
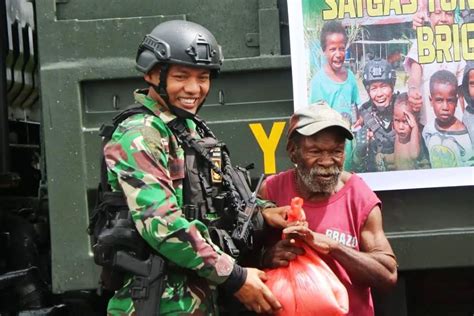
(339, 9)
(445, 43)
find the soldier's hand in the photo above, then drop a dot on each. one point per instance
(281, 254)
(276, 216)
(255, 295)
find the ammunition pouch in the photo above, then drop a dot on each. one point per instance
(112, 230)
(148, 281)
(120, 250)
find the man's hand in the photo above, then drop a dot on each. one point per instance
(319, 242)
(255, 295)
(277, 217)
(281, 253)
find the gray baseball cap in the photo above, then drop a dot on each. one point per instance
(316, 117)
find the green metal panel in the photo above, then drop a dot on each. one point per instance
(229, 20)
(430, 228)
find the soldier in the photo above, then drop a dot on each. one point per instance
(148, 161)
(376, 138)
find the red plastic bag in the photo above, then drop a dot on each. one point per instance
(307, 286)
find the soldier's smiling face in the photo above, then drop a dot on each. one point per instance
(380, 93)
(187, 87)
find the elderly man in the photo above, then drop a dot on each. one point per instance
(343, 214)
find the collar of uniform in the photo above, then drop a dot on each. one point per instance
(161, 111)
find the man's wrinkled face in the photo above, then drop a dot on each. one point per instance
(320, 159)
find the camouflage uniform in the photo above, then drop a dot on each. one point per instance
(145, 161)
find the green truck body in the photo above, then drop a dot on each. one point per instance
(82, 68)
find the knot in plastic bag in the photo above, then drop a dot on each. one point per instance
(307, 286)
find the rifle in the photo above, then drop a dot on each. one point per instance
(148, 281)
(242, 234)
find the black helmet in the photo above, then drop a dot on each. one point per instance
(180, 42)
(378, 70)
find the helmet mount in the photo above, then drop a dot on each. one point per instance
(200, 50)
(378, 70)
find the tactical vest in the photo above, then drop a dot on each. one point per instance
(214, 192)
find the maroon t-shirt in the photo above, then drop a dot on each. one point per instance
(341, 217)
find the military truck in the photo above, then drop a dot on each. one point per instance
(68, 65)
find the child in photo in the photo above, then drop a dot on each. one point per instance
(334, 83)
(407, 147)
(446, 137)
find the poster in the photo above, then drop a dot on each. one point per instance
(399, 72)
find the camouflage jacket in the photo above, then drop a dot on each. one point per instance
(145, 161)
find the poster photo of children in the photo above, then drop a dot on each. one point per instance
(402, 74)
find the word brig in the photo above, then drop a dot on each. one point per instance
(446, 43)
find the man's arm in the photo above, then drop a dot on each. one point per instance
(374, 265)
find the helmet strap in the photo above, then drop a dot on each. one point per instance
(161, 88)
